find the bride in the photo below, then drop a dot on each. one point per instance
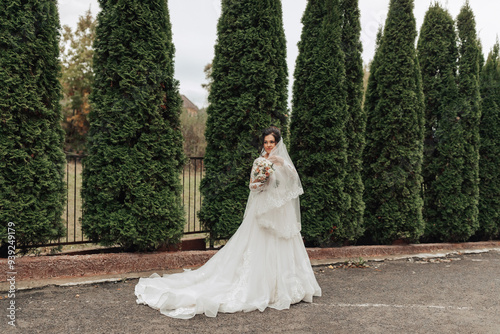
(264, 264)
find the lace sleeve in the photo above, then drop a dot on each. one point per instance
(256, 186)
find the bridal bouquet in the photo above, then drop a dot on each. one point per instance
(263, 169)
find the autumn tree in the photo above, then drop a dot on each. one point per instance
(76, 79)
(193, 131)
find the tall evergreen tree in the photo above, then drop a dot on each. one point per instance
(438, 53)
(489, 162)
(318, 140)
(131, 186)
(32, 191)
(464, 153)
(394, 149)
(248, 94)
(371, 99)
(356, 119)
(370, 102)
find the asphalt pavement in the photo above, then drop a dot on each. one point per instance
(456, 293)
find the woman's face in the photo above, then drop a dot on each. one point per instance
(269, 143)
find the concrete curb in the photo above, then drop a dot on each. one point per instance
(83, 269)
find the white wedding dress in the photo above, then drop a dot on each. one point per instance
(264, 264)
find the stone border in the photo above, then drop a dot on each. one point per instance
(77, 266)
(368, 252)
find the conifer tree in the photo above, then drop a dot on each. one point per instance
(356, 119)
(131, 186)
(438, 53)
(394, 149)
(489, 162)
(464, 120)
(32, 161)
(248, 94)
(371, 100)
(318, 140)
(372, 97)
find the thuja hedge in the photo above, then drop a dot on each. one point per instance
(451, 88)
(437, 54)
(32, 191)
(466, 127)
(131, 185)
(356, 119)
(319, 115)
(489, 162)
(248, 94)
(394, 133)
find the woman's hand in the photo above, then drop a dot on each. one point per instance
(278, 161)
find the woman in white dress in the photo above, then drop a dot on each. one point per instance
(264, 264)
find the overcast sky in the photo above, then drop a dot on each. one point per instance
(194, 28)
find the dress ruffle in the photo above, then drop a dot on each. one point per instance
(253, 271)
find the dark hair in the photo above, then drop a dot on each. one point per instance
(272, 130)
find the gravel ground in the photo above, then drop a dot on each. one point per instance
(459, 293)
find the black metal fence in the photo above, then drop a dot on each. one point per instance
(191, 197)
(191, 176)
(73, 212)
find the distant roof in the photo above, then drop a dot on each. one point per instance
(186, 103)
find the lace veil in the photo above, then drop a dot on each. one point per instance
(277, 206)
